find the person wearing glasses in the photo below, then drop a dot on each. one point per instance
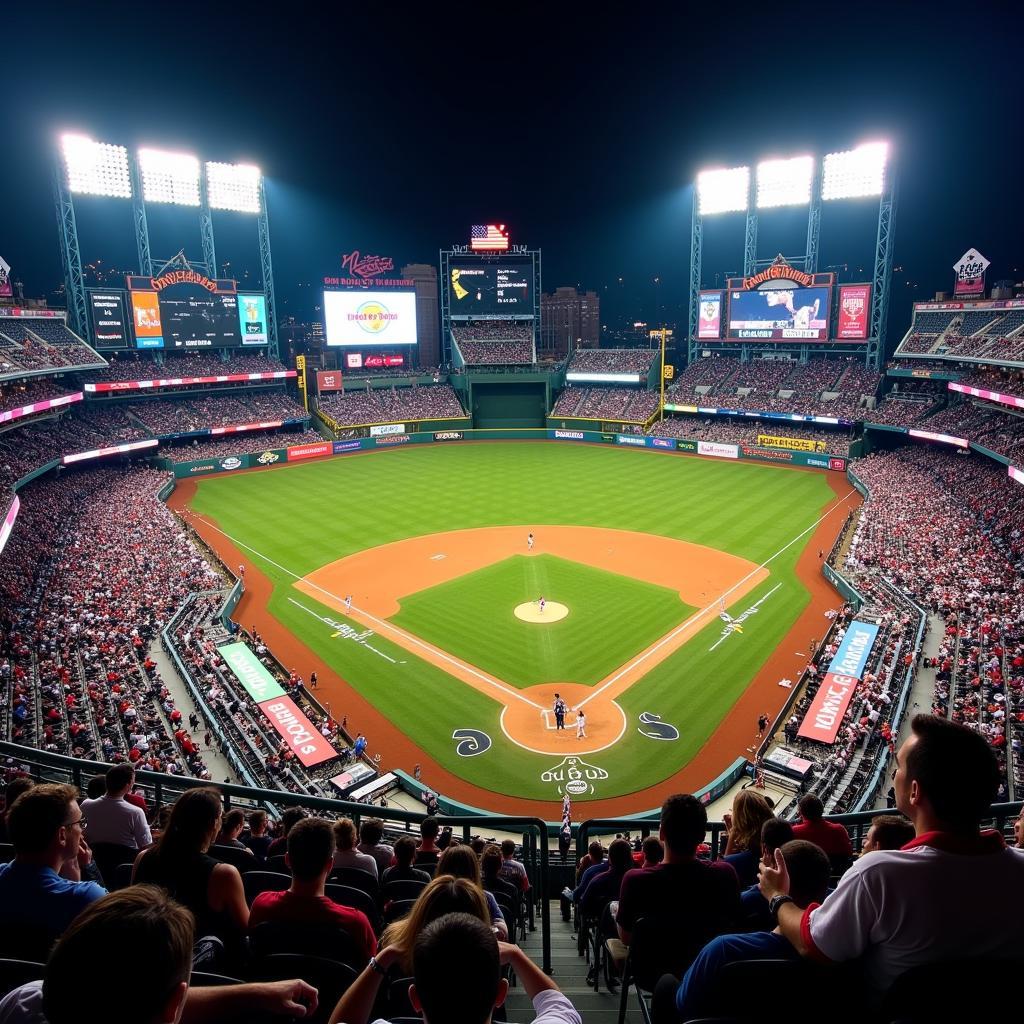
(41, 890)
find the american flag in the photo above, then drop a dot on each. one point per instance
(488, 236)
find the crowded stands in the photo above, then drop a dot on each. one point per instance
(625, 405)
(612, 360)
(31, 344)
(494, 343)
(390, 405)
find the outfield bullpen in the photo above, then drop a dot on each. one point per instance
(433, 663)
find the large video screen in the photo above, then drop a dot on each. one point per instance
(488, 289)
(189, 316)
(779, 314)
(361, 318)
(109, 322)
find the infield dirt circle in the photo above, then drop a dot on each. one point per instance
(530, 611)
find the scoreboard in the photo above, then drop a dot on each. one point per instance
(490, 289)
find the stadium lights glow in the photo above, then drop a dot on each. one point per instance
(784, 182)
(95, 168)
(169, 177)
(233, 187)
(723, 190)
(857, 172)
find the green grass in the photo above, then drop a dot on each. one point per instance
(304, 516)
(610, 618)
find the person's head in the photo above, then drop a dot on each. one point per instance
(18, 785)
(653, 850)
(45, 823)
(508, 848)
(461, 862)
(683, 824)
(946, 777)
(371, 831)
(457, 971)
(405, 851)
(444, 895)
(809, 872)
(97, 787)
(151, 937)
(596, 851)
(257, 822)
(887, 832)
(620, 855)
(311, 850)
(291, 817)
(749, 813)
(811, 808)
(429, 827)
(1018, 829)
(120, 779)
(490, 861)
(232, 824)
(194, 822)
(774, 832)
(477, 844)
(345, 834)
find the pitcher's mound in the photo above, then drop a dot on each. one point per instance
(530, 612)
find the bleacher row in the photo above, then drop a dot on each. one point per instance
(993, 335)
(41, 343)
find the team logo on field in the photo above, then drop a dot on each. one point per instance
(471, 742)
(574, 776)
(654, 728)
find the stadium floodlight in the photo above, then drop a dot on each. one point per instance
(723, 190)
(233, 187)
(857, 172)
(169, 177)
(784, 182)
(96, 168)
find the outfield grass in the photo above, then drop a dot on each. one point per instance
(610, 618)
(304, 516)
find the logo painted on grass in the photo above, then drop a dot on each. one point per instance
(471, 742)
(347, 632)
(654, 728)
(574, 776)
(735, 625)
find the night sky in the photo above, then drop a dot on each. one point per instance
(392, 131)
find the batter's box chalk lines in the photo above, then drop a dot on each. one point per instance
(437, 558)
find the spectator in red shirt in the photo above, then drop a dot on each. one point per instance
(311, 859)
(829, 835)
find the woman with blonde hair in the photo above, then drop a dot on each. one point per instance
(461, 861)
(750, 811)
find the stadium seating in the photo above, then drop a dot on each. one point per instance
(613, 360)
(729, 431)
(624, 405)
(494, 343)
(38, 343)
(392, 405)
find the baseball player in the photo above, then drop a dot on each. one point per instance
(541, 604)
(581, 725)
(529, 542)
(348, 604)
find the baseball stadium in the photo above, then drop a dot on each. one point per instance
(666, 659)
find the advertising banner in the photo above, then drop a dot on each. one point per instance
(117, 449)
(992, 396)
(390, 439)
(636, 440)
(663, 442)
(195, 468)
(854, 311)
(709, 315)
(793, 444)
(1016, 475)
(719, 451)
(338, 447)
(240, 428)
(354, 360)
(172, 382)
(8, 524)
(309, 451)
(352, 776)
(387, 428)
(302, 736)
(568, 435)
(970, 273)
(270, 457)
(328, 380)
(448, 435)
(359, 318)
(250, 672)
(50, 403)
(230, 462)
(685, 445)
(252, 319)
(149, 332)
(960, 442)
(594, 377)
(6, 291)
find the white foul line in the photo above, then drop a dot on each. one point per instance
(757, 604)
(696, 616)
(382, 624)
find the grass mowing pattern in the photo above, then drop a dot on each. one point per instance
(307, 515)
(610, 619)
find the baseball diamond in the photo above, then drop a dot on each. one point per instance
(644, 552)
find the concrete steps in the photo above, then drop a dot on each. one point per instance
(569, 970)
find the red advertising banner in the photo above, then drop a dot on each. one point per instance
(854, 311)
(302, 736)
(825, 715)
(328, 380)
(171, 382)
(309, 451)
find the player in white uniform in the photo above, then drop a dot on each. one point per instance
(529, 542)
(581, 725)
(541, 604)
(348, 604)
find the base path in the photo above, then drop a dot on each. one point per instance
(728, 741)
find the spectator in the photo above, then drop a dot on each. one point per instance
(111, 818)
(346, 855)
(774, 834)
(152, 939)
(371, 832)
(694, 997)
(931, 901)
(702, 897)
(402, 870)
(15, 787)
(652, 851)
(46, 827)
(513, 870)
(257, 839)
(427, 850)
(231, 827)
(457, 970)
(887, 832)
(460, 862)
(829, 835)
(490, 876)
(604, 887)
(291, 817)
(181, 864)
(750, 811)
(593, 856)
(311, 860)
(1018, 829)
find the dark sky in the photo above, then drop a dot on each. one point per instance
(392, 130)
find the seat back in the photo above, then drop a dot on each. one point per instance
(244, 860)
(109, 857)
(659, 946)
(330, 978)
(277, 863)
(397, 910)
(356, 878)
(403, 889)
(255, 882)
(122, 877)
(273, 937)
(356, 899)
(947, 989)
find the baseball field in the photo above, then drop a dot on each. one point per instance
(677, 593)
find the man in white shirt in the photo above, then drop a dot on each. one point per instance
(112, 819)
(932, 900)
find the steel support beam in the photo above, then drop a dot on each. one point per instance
(813, 222)
(206, 230)
(267, 270)
(139, 219)
(882, 278)
(71, 257)
(750, 243)
(696, 255)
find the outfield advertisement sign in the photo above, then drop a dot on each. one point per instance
(271, 457)
(309, 451)
(391, 439)
(257, 681)
(340, 447)
(991, 396)
(686, 445)
(301, 735)
(635, 440)
(448, 435)
(825, 715)
(567, 435)
(383, 429)
(663, 442)
(117, 449)
(718, 451)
